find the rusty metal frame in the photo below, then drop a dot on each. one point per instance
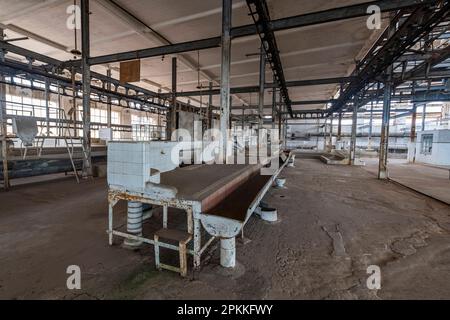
(192, 208)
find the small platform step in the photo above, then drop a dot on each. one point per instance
(172, 234)
(176, 235)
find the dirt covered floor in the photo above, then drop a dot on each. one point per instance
(335, 221)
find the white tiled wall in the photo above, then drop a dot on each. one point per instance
(129, 163)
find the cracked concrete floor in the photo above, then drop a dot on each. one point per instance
(334, 222)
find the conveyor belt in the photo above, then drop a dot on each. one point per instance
(235, 206)
(209, 184)
(237, 203)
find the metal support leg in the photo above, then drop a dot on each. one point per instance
(197, 242)
(156, 247)
(183, 258)
(190, 222)
(110, 223)
(165, 216)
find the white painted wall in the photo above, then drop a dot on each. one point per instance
(440, 154)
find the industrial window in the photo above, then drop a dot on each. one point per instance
(427, 144)
(101, 115)
(137, 119)
(115, 117)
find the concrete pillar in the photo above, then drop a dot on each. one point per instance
(85, 55)
(262, 79)
(384, 140)
(225, 75)
(228, 252)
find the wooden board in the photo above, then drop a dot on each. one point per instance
(130, 71)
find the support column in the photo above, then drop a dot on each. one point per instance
(173, 114)
(424, 116)
(331, 132)
(209, 111)
(262, 80)
(285, 127)
(108, 99)
(85, 42)
(369, 143)
(339, 133)
(413, 124)
(354, 128)
(280, 116)
(384, 140)
(47, 107)
(274, 105)
(225, 75)
(3, 129)
(412, 144)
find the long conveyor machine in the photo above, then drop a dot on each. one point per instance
(218, 197)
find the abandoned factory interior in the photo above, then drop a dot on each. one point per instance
(225, 150)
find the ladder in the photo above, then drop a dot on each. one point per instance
(71, 143)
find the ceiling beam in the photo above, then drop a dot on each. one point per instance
(304, 20)
(155, 37)
(250, 89)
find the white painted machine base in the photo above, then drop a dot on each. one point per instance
(267, 214)
(134, 224)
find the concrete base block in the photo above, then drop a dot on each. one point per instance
(228, 252)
